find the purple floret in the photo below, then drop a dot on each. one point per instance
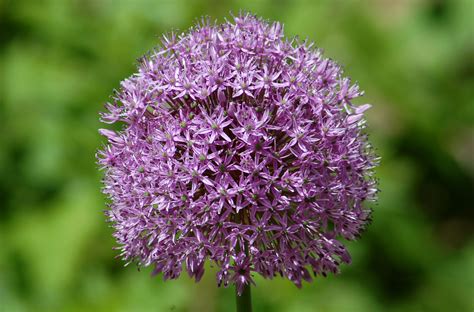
(240, 147)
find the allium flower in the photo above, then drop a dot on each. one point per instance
(239, 147)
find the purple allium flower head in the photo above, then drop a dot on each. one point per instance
(240, 147)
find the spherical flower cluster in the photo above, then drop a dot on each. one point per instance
(240, 147)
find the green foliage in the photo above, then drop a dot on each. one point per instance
(60, 60)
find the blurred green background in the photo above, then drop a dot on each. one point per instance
(59, 62)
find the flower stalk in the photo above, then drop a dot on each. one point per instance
(244, 301)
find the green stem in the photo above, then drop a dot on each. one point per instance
(244, 301)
